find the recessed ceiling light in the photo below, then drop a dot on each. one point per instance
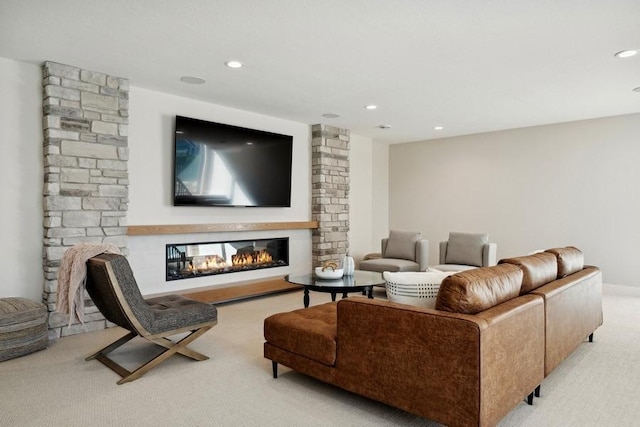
(438, 127)
(384, 126)
(370, 107)
(331, 115)
(234, 64)
(192, 80)
(626, 53)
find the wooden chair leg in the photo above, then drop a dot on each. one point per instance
(117, 343)
(170, 347)
(101, 355)
(192, 354)
(180, 345)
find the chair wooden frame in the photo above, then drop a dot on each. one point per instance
(160, 339)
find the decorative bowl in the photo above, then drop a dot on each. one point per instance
(329, 273)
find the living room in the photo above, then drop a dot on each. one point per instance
(530, 185)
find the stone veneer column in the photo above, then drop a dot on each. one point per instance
(330, 193)
(85, 122)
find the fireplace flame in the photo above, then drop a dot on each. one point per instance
(210, 263)
(216, 262)
(251, 258)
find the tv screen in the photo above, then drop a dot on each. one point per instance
(223, 165)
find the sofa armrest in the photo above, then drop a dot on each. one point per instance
(452, 368)
(383, 245)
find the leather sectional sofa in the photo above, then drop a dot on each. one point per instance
(494, 335)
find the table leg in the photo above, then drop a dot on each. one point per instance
(306, 297)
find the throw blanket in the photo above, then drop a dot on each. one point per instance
(72, 275)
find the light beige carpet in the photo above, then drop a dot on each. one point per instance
(597, 386)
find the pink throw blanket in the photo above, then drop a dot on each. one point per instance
(72, 275)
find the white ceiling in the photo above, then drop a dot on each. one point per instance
(468, 65)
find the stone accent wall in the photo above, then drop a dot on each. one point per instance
(85, 122)
(330, 193)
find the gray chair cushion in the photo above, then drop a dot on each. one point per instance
(388, 264)
(452, 267)
(175, 311)
(402, 245)
(466, 248)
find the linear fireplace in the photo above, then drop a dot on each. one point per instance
(188, 260)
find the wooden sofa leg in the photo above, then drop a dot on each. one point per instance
(530, 399)
(274, 368)
(537, 391)
(591, 337)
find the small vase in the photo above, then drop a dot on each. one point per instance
(348, 265)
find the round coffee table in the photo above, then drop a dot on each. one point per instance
(360, 281)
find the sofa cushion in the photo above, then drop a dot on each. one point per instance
(570, 260)
(402, 244)
(308, 332)
(539, 269)
(466, 248)
(473, 291)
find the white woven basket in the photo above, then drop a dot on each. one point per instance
(414, 288)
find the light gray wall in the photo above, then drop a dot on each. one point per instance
(380, 189)
(360, 195)
(532, 188)
(21, 177)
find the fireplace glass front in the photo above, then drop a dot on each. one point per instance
(188, 260)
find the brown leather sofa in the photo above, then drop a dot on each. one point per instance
(466, 363)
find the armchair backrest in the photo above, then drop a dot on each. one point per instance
(407, 245)
(114, 290)
(468, 249)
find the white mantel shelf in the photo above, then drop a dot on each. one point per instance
(151, 230)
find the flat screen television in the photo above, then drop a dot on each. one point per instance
(217, 164)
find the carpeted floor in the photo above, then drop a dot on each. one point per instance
(596, 386)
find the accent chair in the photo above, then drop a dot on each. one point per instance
(464, 251)
(113, 289)
(401, 251)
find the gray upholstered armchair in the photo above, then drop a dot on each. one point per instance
(464, 251)
(401, 251)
